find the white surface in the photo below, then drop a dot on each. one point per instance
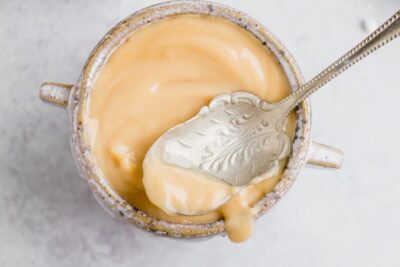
(348, 217)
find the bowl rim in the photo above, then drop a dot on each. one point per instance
(80, 98)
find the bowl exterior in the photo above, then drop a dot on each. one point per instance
(79, 99)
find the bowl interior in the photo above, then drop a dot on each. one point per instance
(81, 96)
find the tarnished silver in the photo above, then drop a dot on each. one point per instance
(235, 138)
(238, 136)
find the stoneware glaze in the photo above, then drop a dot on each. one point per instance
(76, 97)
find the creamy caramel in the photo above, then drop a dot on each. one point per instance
(186, 191)
(160, 77)
(182, 191)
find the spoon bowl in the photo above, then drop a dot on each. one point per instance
(238, 138)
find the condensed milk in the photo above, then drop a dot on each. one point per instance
(159, 77)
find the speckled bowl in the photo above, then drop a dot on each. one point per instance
(75, 98)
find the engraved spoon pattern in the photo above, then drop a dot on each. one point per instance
(238, 136)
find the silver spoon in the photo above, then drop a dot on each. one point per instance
(238, 137)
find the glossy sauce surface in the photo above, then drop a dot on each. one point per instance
(161, 76)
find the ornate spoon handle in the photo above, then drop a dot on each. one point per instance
(381, 36)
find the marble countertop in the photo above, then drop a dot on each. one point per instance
(347, 217)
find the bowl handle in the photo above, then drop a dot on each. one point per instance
(324, 156)
(55, 93)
